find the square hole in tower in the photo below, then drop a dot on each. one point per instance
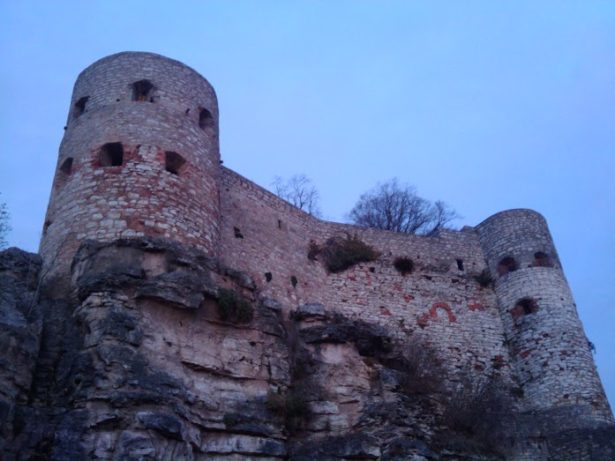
(542, 259)
(111, 154)
(143, 91)
(67, 166)
(80, 106)
(206, 120)
(506, 265)
(173, 162)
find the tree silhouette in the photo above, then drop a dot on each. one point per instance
(395, 207)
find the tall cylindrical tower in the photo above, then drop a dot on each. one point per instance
(551, 354)
(140, 156)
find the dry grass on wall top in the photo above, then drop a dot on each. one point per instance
(403, 265)
(341, 253)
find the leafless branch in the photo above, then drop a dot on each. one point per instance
(299, 191)
(395, 207)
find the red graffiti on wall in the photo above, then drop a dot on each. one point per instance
(432, 314)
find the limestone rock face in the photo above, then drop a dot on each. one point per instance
(20, 333)
(158, 352)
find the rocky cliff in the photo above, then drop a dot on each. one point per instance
(155, 351)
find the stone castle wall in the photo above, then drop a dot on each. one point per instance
(167, 182)
(438, 304)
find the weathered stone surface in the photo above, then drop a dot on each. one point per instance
(20, 333)
(351, 446)
(144, 369)
(168, 425)
(180, 288)
(313, 311)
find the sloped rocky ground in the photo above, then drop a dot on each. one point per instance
(158, 352)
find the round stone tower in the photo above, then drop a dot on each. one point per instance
(551, 355)
(139, 157)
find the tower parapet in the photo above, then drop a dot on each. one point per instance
(140, 156)
(551, 355)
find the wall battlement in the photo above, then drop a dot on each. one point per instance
(140, 157)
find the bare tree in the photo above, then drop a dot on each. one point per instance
(4, 225)
(395, 207)
(299, 191)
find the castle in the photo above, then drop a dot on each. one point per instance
(140, 160)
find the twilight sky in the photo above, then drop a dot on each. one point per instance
(485, 105)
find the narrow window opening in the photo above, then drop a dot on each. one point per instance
(279, 224)
(542, 259)
(205, 119)
(268, 276)
(46, 227)
(293, 280)
(173, 162)
(80, 105)
(67, 166)
(142, 91)
(526, 306)
(460, 264)
(238, 234)
(111, 154)
(506, 265)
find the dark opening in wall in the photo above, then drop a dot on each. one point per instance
(460, 264)
(143, 91)
(80, 106)
(506, 265)
(237, 232)
(46, 227)
(525, 306)
(484, 278)
(404, 265)
(111, 154)
(542, 259)
(173, 162)
(268, 276)
(67, 166)
(205, 119)
(294, 280)
(279, 224)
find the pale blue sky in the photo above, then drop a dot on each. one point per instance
(485, 105)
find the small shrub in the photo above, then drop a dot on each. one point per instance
(403, 265)
(482, 409)
(233, 308)
(484, 279)
(230, 419)
(420, 371)
(291, 406)
(341, 253)
(296, 405)
(276, 404)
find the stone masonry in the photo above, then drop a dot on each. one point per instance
(146, 227)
